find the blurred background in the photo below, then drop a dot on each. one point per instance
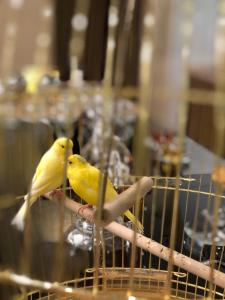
(73, 36)
(145, 74)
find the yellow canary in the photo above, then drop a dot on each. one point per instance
(48, 176)
(84, 179)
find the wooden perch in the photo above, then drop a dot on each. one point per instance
(125, 200)
(147, 244)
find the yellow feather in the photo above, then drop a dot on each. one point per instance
(48, 176)
(84, 180)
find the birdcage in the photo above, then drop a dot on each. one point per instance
(133, 268)
(98, 253)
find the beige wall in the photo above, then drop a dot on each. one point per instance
(19, 49)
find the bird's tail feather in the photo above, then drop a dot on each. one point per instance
(19, 218)
(132, 218)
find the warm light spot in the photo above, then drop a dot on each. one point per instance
(218, 175)
(221, 22)
(16, 4)
(47, 285)
(68, 290)
(79, 22)
(146, 51)
(47, 12)
(32, 75)
(113, 17)
(149, 20)
(111, 44)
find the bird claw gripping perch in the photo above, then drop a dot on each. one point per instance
(82, 208)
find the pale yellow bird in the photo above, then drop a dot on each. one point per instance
(48, 176)
(84, 179)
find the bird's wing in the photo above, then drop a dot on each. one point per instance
(85, 182)
(45, 161)
(93, 175)
(42, 163)
(48, 175)
(45, 183)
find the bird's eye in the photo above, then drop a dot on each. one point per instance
(70, 162)
(63, 146)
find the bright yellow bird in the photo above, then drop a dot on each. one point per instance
(84, 179)
(48, 176)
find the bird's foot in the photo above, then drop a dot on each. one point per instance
(57, 195)
(82, 208)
